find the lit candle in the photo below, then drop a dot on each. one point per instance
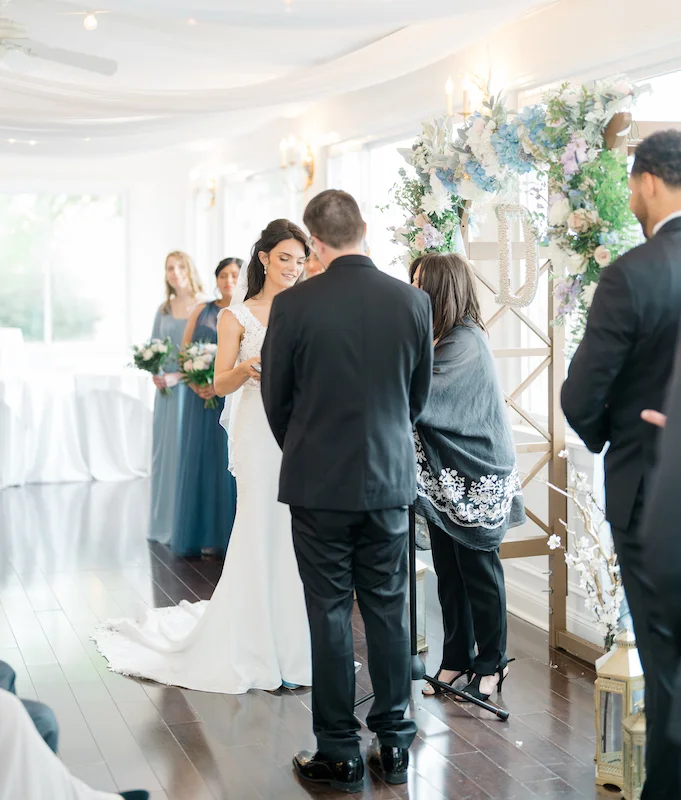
(466, 97)
(283, 147)
(449, 91)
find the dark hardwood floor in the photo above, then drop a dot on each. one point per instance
(73, 555)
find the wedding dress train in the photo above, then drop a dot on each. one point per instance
(253, 633)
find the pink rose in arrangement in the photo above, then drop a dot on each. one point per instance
(578, 221)
(602, 256)
(419, 242)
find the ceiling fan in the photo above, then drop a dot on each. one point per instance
(13, 37)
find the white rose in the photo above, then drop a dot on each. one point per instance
(559, 213)
(576, 264)
(602, 255)
(211, 348)
(588, 293)
(188, 365)
(162, 348)
(571, 99)
(148, 354)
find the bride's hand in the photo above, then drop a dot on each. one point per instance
(247, 366)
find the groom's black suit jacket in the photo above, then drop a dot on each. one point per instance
(346, 370)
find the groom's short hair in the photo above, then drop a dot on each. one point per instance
(334, 218)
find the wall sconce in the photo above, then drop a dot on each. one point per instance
(206, 194)
(297, 161)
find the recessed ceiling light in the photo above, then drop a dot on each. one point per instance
(192, 21)
(33, 143)
(289, 5)
(90, 22)
(12, 141)
(87, 139)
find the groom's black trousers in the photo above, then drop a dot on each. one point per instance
(366, 551)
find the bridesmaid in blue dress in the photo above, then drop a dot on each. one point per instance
(182, 289)
(206, 490)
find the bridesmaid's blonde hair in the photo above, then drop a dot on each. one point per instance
(194, 280)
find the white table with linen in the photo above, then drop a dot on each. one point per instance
(59, 427)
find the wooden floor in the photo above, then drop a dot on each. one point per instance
(72, 555)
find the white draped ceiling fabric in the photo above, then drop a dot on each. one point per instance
(222, 66)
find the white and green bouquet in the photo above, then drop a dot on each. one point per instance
(197, 365)
(152, 356)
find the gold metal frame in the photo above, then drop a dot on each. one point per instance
(553, 360)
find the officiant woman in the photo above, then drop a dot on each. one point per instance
(205, 506)
(468, 484)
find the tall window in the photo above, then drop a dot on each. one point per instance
(63, 267)
(251, 205)
(369, 175)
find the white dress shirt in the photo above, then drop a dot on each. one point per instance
(662, 223)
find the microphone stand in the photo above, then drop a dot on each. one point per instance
(418, 668)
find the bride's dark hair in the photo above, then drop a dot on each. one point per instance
(279, 230)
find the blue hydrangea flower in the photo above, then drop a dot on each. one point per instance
(510, 153)
(448, 180)
(480, 178)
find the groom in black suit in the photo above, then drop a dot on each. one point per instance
(621, 368)
(346, 370)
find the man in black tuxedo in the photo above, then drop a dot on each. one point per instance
(621, 368)
(346, 370)
(660, 533)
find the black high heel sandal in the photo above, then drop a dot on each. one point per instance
(473, 688)
(438, 689)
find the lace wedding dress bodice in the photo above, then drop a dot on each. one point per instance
(253, 338)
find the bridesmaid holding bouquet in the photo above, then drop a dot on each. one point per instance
(206, 491)
(182, 289)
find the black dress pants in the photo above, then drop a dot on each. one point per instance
(472, 595)
(366, 551)
(658, 659)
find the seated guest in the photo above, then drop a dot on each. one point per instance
(468, 484)
(42, 716)
(205, 501)
(28, 768)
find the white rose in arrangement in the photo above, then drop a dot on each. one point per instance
(148, 354)
(162, 348)
(435, 203)
(576, 264)
(571, 98)
(421, 221)
(155, 347)
(559, 212)
(588, 293)
(188, 365)
(602, 255)
(211, 348)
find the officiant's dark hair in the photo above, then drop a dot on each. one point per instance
(279, 230)
(449, 281)
(334, 218)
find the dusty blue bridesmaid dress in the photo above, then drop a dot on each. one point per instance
(166, 437)
(206, 491)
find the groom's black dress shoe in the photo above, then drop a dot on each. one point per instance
(344, 776)
(393, 762)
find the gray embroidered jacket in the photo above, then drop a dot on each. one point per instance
(468, 481)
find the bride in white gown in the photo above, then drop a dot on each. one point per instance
(253, 633)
